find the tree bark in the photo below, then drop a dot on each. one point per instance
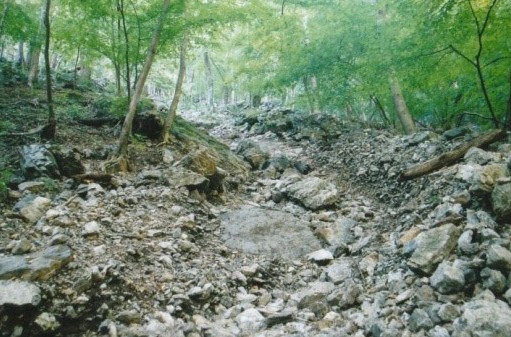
(171, 115)
(127, 49)
(49, 132)
(402, 111)
(508, 112)
(122, 150)
(35, 51)
(451, 157)
(210, 84)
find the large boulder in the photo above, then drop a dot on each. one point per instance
(37, 161)
(482, 317)
(313, 193)
(262, 231)
(252, 153)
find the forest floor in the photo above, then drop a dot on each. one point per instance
(306, 231)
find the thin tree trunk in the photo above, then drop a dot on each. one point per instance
(508, 112)
(122, 151)
(21, 55)
(139, 32)
(50, 130)
(402, 111)
(35, 51)
(171, 115)
(75, 70)
(127, 49)
(210, 84)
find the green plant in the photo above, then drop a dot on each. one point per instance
(5, 175)
(51, 186)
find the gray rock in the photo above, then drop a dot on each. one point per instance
(455, 132)
(337, 233)
(433, 246)
(465, 244)
(479, 220)
(38, 266)
(68, 161)
(507, 296)
(321, 256)
(273, 233)
(478, 156)
(448, 312)
(316, 292)
(493, 280)
(419, 319)
(447, 279)
(32, 209)
(19, 293)
(314, 193)
(21, 247)
(250, 321)
(281, 317)
(501, 200)
(483, 318)
(37, 161)
(31, 186)
(252, 153)
(340, 270)
(91, 228)
(346, 296)
(498, 257)
(439, 331)
(47, 322)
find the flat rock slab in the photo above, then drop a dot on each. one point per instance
(314, 193)
(19, 293)
(38, 266)
(433, 246)
(273, 233)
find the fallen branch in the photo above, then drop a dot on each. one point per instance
(28, 133)
(451, 157)
(100, 178)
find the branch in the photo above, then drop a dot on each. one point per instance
(497, 60)
(455, 50)
(478, 25)
(487, 18)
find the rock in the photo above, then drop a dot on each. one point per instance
(281, 317)
(273, 233)
(498, 257)
(252, 153)
(201, 161)
(185, 178)
(280, 163)
(447, 279)
(448, 312)
(346, 296)
(68, 161)
(482, 179)
(47, 322)
(409, 235)
(493, 280)
(478, 156)
(455, 132)
(501, 201)
(439, 331)
(321, 256)
(465, 244)
(340, 270)
(37, 161)
(250, 321)
(483, 318)
(38, 266)
(129, 316)
(19, 293)
(316, 292)
(419, 319)
(314, 193)
(21, 247)
(91, 228)
(32, 209)
(433, 246)
(31, 186)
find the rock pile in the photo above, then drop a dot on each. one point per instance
(320, 239)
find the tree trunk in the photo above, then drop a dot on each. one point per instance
(402, 111)
(35, 51)
(76, 68)
(508, 112)
(210, 84)
(122, 151)
(50, 130)
(127, 49)
(169, 120)
(21, 55)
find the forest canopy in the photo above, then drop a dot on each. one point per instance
(450, 60)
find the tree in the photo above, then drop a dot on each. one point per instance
(50, 129)
(401, 109)
(121, 162)
(171, 114)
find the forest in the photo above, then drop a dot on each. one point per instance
(267, 168)
(448, 60)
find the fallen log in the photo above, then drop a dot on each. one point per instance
(451, 157)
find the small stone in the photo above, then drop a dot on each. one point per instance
(91, 228)
(448, 312)
(281, 317)
(129, 317)
(33, 211)
(405, 295)
(32, 186)
(340, 271)
(250, 270)
(465, 244)
(447, 279)
(250, 321)
(47, 322)
(499, 258)
(493, 280)
(484, 317)
(409, 236)
(21, 247)
(507, 296)
(320, 257)
(419, 319)
(439, 331)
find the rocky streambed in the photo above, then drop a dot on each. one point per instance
(308, 231)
